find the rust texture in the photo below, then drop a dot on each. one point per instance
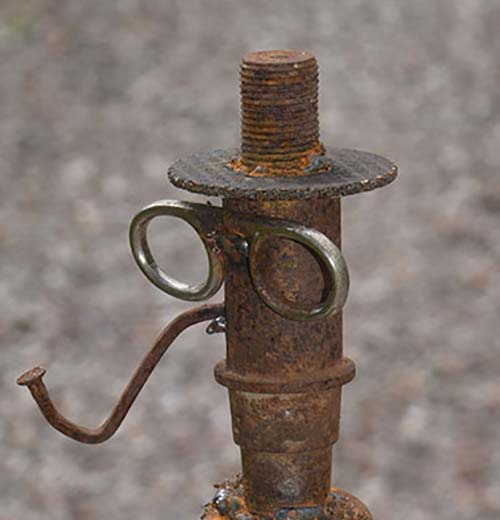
(285, 436)
(350, 172)
(284, 376)
(284, 366)
(33, 379)
(279, 114)
(229, 504)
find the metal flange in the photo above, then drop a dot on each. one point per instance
(345, 172)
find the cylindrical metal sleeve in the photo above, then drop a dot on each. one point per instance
(285, 423)
(285, 438)
(276, 480)
(259, 341)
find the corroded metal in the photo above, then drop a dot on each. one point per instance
(276, 243)
(229, 503)
(252, 234)
(33, 379)
(279, 115)
(286, 402)
(258, 232)
(284, 376)
(349, 172)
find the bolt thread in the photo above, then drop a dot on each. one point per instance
(279, 113)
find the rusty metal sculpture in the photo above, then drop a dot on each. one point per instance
(275, 242)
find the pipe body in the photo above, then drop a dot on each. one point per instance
(285, 406)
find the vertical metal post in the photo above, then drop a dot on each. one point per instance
(285, 435)
(285, 432)
(276, 243)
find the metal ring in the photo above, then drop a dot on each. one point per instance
(206, 221)
(327, 253)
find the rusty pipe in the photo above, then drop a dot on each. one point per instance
(276, 245)
(33, 379)
(284, 377)
(286, 434)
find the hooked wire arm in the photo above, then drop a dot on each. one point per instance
(33, 379)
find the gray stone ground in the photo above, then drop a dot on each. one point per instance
(97, 98)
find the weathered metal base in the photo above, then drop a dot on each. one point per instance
(229, 504)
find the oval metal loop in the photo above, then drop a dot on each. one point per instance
(326, 252)
(206, 222)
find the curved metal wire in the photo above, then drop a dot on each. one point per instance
(33, 379)
(326, 252)
(206, 222)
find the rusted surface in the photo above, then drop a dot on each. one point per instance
(275, 480)
(33, 379)
(284, 377)
(338, 374)
(349, 172)
(279, 114)
(284, 424)
(284, 366)
(229, 504)
(280, 141)
(259, 342)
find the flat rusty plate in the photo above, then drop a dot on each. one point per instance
(350, 172)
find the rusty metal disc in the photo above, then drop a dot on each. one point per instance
(348, 172)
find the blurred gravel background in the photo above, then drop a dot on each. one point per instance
(97, 98)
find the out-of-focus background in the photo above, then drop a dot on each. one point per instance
(98, 98)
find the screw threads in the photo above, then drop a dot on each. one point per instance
(279, 114)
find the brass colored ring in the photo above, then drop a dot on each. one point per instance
(325, 251)
(205, 220)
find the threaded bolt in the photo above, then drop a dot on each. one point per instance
(279, 114)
